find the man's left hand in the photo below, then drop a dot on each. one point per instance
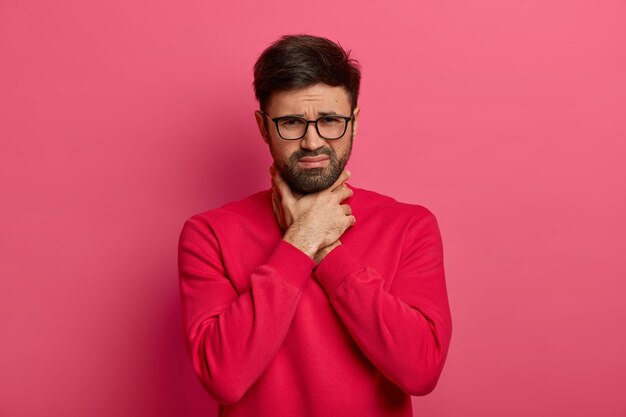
(284, 221)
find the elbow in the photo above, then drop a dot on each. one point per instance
(426, 369)
(421, 387)
(424, 374)
(224, 393)
(221, 383)
(422, 381)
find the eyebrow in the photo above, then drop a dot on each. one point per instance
(320, 114)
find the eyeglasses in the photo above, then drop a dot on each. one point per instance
(328, 127)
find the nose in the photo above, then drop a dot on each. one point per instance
(311, 139)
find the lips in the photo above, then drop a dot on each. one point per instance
(309, 162)
(313, 159)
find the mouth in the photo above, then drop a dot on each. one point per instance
(314, 162)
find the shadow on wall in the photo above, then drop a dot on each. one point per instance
(178, 392)
(228, 160)
(232, 160)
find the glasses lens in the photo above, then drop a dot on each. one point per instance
(291, 127)
(331, 127)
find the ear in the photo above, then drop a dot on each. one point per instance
(260, 121)
(355, 121)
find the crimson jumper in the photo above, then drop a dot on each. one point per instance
(269, 333)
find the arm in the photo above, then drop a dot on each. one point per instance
(406, 331)
(232, 337)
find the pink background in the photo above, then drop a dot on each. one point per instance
(120, 119)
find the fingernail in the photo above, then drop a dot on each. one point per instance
(348, 172)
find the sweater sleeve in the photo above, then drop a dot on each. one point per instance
(230, 337)
(406, 331)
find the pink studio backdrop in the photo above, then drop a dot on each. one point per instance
(120, 119)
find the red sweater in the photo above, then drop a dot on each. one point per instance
(272, 334)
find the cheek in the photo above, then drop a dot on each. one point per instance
(283, 150)
(339, 149)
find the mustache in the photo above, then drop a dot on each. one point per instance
(307, 153)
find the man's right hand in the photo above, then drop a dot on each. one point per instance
(317, 219)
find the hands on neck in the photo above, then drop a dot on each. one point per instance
(289, 207)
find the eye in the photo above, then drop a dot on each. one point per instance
(291, 122)
(329, 120)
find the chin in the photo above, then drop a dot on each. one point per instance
(306, 184)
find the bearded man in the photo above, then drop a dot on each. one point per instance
(313, 297)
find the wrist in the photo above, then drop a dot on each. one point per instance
(321, 254)
(309, 248)
(326, 249)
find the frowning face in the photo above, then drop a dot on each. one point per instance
(312, 163)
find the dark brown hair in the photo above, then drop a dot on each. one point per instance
(298, 61)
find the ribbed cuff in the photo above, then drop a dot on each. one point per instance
(293, 265)
(335, 268)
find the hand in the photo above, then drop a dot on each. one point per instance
(285, 223)
(315, 220)
(277, 206)
(321, 254)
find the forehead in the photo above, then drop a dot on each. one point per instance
(315, 98)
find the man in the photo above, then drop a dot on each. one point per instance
(313, 297)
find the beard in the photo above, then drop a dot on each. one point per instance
(312, 180)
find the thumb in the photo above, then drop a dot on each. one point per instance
(285, 192)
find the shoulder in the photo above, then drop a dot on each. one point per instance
(233, 211)
(412, 224)
(382, 204)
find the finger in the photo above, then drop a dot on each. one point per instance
(276, 201)
(346, 209)
(344, 192)
(277, 190)
(272, 171)
(274, 204)
(277, 212)
(343, 177)
(279, 204)
(285, 192)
